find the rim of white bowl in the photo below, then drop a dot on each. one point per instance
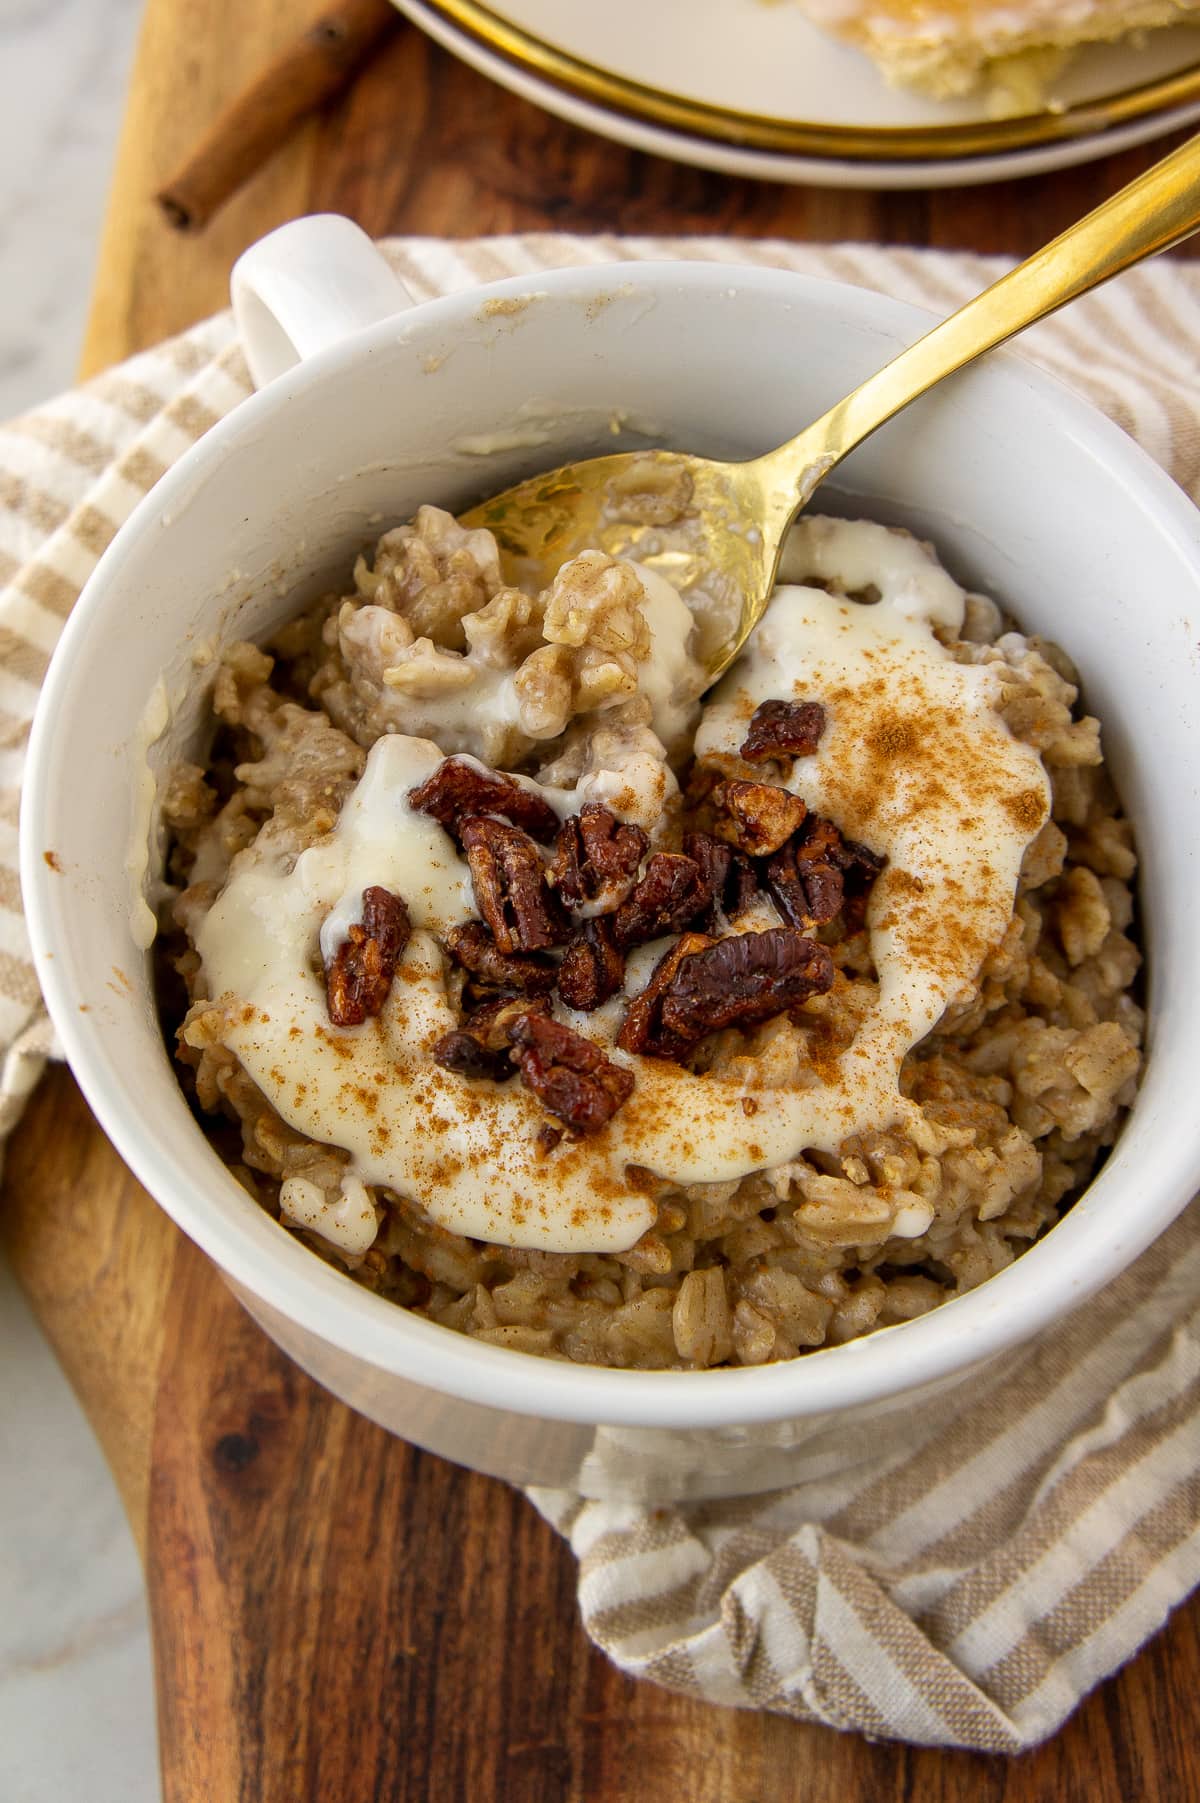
(1009, 1308)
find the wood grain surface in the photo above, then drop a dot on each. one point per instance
(336, 1616)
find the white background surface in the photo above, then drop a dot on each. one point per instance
(76, 1699)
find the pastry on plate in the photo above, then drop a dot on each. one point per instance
(1009, 49)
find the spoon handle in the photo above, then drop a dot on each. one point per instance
(1150, 215)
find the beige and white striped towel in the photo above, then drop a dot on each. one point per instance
(970, 1588)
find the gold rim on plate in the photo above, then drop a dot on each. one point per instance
(790, 137)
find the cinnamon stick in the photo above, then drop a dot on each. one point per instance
(306, 75)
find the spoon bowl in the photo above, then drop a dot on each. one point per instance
(703, 524)
(727, 521)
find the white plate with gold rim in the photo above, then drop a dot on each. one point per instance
(754, 89)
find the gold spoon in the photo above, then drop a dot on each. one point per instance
(738, 513)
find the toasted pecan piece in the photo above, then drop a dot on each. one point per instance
(460, 788)
(804, 878)
(461, 1052)
(818, 875)
(359, 975)
(472, 947)
(738, 981)
(568, 1074)
(729, 874)
(596, 858)
(592, 968)
(672, 893)
(480, 1046)
(491, 1020)
(860, 867)
(783, 729)
(757, 818)
(510, 886)
(640, 1028)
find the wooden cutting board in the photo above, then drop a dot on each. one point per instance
(336, 1616)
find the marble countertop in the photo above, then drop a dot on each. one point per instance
(76, 1686)
(64, 65)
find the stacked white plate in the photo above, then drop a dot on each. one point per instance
(752, 88)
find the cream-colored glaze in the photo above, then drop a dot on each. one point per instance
(962, 800)
(378, 832)
(348, 1219)
(914, 762)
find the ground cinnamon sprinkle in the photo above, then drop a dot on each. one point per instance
(1027, 809)
(895, 740)
(823, 1046)
(891, 739)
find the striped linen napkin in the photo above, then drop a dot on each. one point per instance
(970, 1586)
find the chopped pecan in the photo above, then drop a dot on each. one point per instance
(510, 888)
(730, 875)
(640, 1030)
(491, 1021)
(804, 879)
(596, 858)
(480, 1047)
(744, 979)
(460, 788)
(738, 981)
(818, 875)
(780, 729)
(756, 817)
(473, 947)
(569, 1075)
(860, 867)
(672, 893)
(714, 858)
(359, 976)
(592, 968)
(459, 1051)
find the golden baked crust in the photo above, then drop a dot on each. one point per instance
(1011, 49)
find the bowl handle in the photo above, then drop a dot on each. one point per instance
(306, 286)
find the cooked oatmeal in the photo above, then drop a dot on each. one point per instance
(594, 1022)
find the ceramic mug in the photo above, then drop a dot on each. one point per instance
(370, 405)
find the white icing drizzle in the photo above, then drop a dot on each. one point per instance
(349, 1222)
(914, 762)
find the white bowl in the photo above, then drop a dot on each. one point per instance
(1028, 493)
